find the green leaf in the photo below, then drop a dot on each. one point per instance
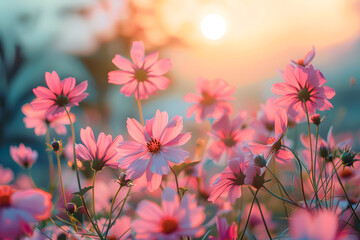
(183, 166)
(82, 192)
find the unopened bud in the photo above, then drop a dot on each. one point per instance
(260, 161)
(315, 119)
(348, 158)
(123, 181)
(56, 145)
(71, 208)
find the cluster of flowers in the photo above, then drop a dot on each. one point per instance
(252, 151)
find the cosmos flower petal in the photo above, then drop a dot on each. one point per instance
(137, 53)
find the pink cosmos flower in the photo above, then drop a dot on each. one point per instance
(303, 85)
(322, 224)
(60, 94)
(304, 62)
(19, 210)
(24, 156)
(143, 77)
(6, 175)
(264, 124)
(273, 145)
(38, 120)
(228, 136)
(170, 221)
(224, 231)
(154, 148)
(101, 153)
(213, 99)
(231, 179)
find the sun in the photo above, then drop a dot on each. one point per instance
(213, 26)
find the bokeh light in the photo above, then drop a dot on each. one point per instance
(213, 26)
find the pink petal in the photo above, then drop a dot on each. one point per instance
(78, 89)
(175, 154)
(123, 64)
(36, 202)
(160, 122)
(309, 56)
(160, 67)
(153, 179)
(67, 85)
(181, 139)
(136, 130)
(159, 164)
(87, 137)
(169, 201)
(53, 82)
(120, 77)
(137, 53)
(150, 59)
(137, 168)
(160, 82)
(192, 98)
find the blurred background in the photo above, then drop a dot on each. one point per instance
(244, 42)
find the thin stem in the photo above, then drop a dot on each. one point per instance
(248, 218)
(61, 181)
(316, 144)
(357, 205)
(300, 175)
(31, 178)
(177, 183)
(261, 213)
(51, 164)
(73, 139)
(283, 199)
(140, 112)
(309, 132)
(279, 183)
(312, 170)
(111, 209)
(122, 206)
(347, 197)
(78, 178)
(93, 195)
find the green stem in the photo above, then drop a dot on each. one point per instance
(261, 213)
(93, 195)
(177, 183)
(279, 183)
(312, 170)
(316, 144)
(122, 206)
(300, 175)
(282, 199)
(111, 209)
(78, 179)
(248, 218)
(309, 134)
(347, 197)
(51, 164)
(61, 181)
(30, 177)
(140, 112)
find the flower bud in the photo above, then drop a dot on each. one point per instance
(347, 158)
(71, 208)
(123, 181)
(260, 161)
(315, 119)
